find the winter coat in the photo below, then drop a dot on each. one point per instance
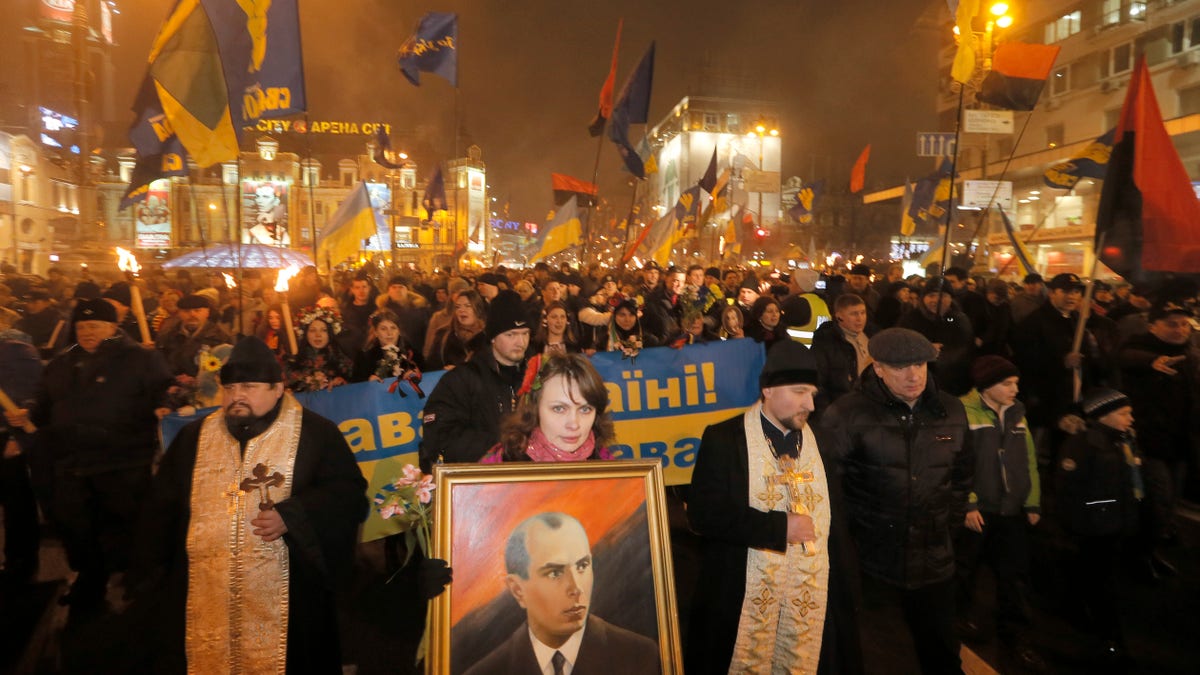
(1006, 472)
(837, 362)
(1096, 483)
(954, 332)
(907, 474)
(1040, 343)
(463, 412)
(1165, 406)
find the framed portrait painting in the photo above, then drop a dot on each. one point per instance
(554, 563)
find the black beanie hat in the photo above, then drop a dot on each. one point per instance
(506, 313)
(788, 362)
(94, 310)
(120, 292)
(251, 361)
(1099, 402)
(990, 370)
(749, 281)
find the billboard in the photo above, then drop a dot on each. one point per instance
(265, 213)
(57, 10)
(152, 217)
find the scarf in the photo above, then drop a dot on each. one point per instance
(542, 450)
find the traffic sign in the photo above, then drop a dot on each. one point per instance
(935, 144)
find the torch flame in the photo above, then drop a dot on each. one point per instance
(127, 262)
(281, 282)
(229, 281)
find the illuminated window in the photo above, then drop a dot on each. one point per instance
(1063, 27)
(1110, 12)
(1060, 81)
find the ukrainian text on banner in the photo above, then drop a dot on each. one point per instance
(661, 401)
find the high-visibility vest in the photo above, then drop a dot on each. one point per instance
(817, 315)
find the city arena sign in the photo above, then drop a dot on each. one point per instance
(321, 127)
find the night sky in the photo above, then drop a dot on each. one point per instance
(845, 73)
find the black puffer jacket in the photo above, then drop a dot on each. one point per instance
(837, 362)
(907, 476)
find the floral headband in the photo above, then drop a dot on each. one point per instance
(330, 316)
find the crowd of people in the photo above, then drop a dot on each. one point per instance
(950, 415)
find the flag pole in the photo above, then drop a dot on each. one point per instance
(625, 253)
(238, 318)
(587, 222)
(1084, 312)
(962, 88)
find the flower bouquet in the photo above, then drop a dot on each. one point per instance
(409, 500)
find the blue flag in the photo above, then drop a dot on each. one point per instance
(687, 206)
(435, 195)
(633, 107)
(259, 43)
(433, 49)
(931, 196)
(806, 202)
(1093, 163)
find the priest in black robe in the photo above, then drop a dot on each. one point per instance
(778, 588)
(253, 518)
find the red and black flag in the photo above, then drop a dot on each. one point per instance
(1148, 214)
(709, 180)
(566, 187)
(606, 91)
(1018, 74)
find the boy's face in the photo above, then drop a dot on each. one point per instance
(1120, 419)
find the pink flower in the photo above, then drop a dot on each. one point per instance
(425, 489)
(412, 476)
(388, 511)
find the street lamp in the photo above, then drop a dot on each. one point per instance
(761, 130)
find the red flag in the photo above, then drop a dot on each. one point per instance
(566, 187)
(858, 175)
(1018, 74)
(1148, 212)
(606, 91)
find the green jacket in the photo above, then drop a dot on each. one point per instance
(1006, 474)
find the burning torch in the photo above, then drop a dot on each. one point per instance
(129, 265)
(281, 287)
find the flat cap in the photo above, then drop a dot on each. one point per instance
(901, 347)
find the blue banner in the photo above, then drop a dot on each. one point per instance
(660, 402)
(433, 49)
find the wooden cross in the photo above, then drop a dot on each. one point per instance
(264, 483)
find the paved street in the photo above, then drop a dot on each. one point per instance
(381, 622)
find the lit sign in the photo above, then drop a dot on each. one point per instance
(501, 225)
(58, 10)
(56, 121)
(321, 127)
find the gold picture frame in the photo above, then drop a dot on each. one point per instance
(630, 592)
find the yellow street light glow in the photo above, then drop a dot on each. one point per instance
(999, 9)
(774, 132)
(749, 134)
(1004, 21)
(760, 129)
(956, 31)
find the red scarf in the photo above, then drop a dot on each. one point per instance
(542, 450)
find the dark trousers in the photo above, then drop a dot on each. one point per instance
(96, 512)
(1095, 580)
(21, 530)
(1004, 546)
(928, 613)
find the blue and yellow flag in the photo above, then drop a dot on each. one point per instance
(1093, 163)
(633, 107)
(968, 43)
(433, 49)
(561, 233)
(659, 239)
(688, 206)
(349, 228)
(807, 198)
(907, 225)
(215, 67)
(931, 196)
(1022, 254)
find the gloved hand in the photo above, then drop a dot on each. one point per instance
(432, 577)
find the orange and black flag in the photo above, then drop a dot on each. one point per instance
(606, 91)
(858, 175)
(566, 187)
(1148, 210)
(1018, 75)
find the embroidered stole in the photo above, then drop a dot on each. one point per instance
(783, 612)
(237, 603)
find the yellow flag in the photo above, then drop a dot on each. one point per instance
(964, 58)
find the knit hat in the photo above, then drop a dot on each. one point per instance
(901, 347)
(87, 290)
(1033, 278)
(788, 363)
(990, 370)
(749, 281)
(194, 301)
(251, 361)
(120, 292)
(213, 295)
(506, 313)
(713, 272)
(94, 310)
(398, 280)
(1099, 402)
(490, 278)
(860, 270)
